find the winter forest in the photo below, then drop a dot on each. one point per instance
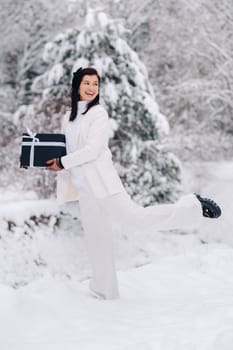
(166, 71)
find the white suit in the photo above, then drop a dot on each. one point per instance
(90, 177)
(92, 154)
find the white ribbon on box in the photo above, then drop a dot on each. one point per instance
(36, 141)
(32, 136)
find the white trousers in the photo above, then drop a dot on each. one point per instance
(98, 215)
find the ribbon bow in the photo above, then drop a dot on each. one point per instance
(35, 139)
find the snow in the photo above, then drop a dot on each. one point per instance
(90, 19)
(80, 62)
(179, 303)
(111, 92)
(153, 108)
(49, 52)
(125, 85)
(176, 293)
(113, 126)
(81, 42)
(55, 74)
(23, 110)
(103, 19)
(21, 210)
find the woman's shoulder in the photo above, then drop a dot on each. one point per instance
(98, 109)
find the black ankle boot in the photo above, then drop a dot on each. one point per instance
(210, 209)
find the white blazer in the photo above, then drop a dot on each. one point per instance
(93, 154)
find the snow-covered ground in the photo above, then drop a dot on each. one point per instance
(176, 288)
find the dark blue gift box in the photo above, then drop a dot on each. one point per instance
(38, 148)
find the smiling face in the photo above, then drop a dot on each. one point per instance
(89, 87)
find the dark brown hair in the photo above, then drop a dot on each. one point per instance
(75, 97)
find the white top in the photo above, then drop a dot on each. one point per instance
(77, 172)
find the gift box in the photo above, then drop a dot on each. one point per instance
(38, 148)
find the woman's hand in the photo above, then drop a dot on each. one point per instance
(53, 164)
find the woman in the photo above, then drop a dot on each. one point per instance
(87, 174)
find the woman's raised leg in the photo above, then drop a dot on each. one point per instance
(186, 213)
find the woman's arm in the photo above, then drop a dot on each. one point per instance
(55, 164)
(65, 121)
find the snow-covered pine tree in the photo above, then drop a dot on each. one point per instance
(149, 173)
